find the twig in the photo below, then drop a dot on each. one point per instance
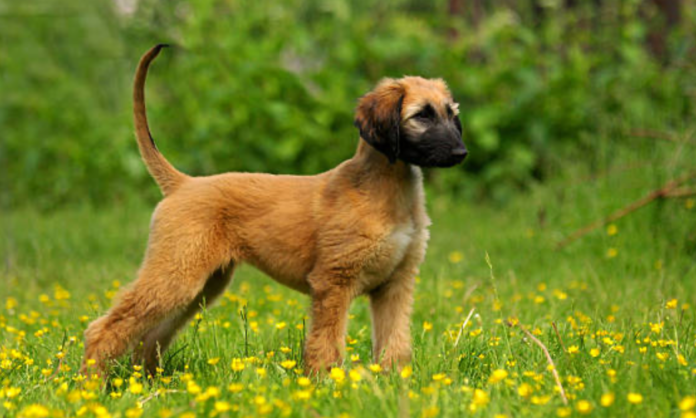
(560, 340)
(655, 194)
(466, 321)
(681, 192)
(664, 136)
(536, 341)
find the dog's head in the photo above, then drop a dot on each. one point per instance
(414, 120)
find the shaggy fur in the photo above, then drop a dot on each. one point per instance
(358, 229)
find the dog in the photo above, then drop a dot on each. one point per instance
(358, 229)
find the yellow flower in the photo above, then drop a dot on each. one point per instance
(237, 365)
(222, 406)
(34, 411)
(406, 372)
(595, 352)
(635, 398)
(375, 368)
(612, 230)
(281, 325)
(261, 371)
(337, 374)
(455, 257)
(135, 387)
(688, 403)
(671, 304)
(563, 412)
(213, 361)
(690, 203)
(607, 399)
(288, 364)
(583, 407)
(304, 381)
(612, 252)
(355, 375)
(134, 412)
(525, 390)
(235, 387)
(573, 349)
(480, 398)
(497, 376)
(427, 326)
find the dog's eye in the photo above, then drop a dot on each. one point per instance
(426, 113)
(450, 112)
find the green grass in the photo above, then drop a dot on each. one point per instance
(59, 270)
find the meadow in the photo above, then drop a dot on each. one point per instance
(616, 310)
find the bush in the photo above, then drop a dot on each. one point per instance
(271, 86)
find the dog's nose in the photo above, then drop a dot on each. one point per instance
(460, 152)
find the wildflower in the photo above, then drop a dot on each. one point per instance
(662, 356)
(135, 387)
(355, 375)
(595, 352)
(406, 372)
(573, 349)
(497, 376)
(427, 326)
(690, 203)
(635, 398)
(237, 365)
(213, 361)
(612, 252)
(235, 387)
(281, 325)
(688, 403)
(337, 375)
(480, 399)
(34, 411)
(261, 372)
(607, 399)
(671, 304)
(583, 407)
(302, 395)
(134, 412)
(222, 406)
(563, 412)
(612, 230)
(288, 364)
(525, 390)
(355, 358)
(375, 368)
(455, 257)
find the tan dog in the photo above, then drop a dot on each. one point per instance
(358, 229)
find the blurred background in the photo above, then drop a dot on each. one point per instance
(545, 87)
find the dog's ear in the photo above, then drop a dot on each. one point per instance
(378, 117)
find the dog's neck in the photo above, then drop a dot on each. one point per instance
(375, 162)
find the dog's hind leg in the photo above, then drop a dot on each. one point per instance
(174, 273)
(156, 341)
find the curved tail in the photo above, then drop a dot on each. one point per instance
(167, 177)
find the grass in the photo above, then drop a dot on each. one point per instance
(622, 299)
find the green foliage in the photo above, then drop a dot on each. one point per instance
(271, 86)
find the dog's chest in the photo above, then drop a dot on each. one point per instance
(388, 254)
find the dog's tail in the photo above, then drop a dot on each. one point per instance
(167, 177)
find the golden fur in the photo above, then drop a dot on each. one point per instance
(358, 229)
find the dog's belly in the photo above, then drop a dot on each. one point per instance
(388, 256)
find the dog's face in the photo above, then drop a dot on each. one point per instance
(414, 120)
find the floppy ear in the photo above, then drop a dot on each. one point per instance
(378, 117)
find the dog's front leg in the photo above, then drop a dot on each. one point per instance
(326, 341)
(391, 306)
